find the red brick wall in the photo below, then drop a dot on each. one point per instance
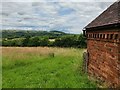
(104, 56)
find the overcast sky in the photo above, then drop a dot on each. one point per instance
(69, 17)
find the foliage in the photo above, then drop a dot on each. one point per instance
(28, 38)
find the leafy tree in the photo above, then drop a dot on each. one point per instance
(44, 42)
(82, 41)
(34, 41)
(26, 41)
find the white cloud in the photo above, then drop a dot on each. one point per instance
(59, 0)
(65, 16)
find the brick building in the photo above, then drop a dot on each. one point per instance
(103, 46)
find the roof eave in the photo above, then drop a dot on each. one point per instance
(110, 26)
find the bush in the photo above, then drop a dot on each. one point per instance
(78, 41)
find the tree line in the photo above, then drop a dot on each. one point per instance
(64, 40)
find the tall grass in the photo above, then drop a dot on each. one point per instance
(43, 67)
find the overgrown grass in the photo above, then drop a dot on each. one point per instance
(38, 67)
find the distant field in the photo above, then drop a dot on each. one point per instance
(43, 67)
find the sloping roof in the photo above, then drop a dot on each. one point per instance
(108, 17)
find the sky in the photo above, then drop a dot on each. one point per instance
(46, 15)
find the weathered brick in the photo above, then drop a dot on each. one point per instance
(104, 59)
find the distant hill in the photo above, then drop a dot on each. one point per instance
(57, 32)
(32, 33)
(34, 38)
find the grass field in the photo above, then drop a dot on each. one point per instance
(43, 67)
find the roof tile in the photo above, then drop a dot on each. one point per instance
(108, 17)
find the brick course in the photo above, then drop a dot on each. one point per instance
(104, 56)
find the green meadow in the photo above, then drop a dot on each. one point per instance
(43, 67)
